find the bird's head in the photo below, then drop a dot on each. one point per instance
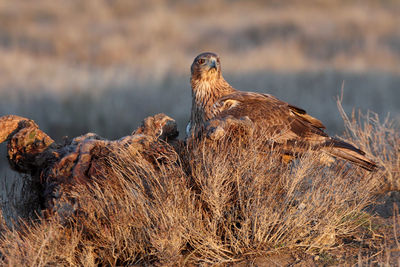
(206, 66)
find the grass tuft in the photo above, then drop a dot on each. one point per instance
(222, 202)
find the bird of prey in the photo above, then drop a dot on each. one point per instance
(281, 123)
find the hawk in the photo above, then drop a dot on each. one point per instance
(285, 125)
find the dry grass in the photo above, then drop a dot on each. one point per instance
(222, 202)
(379, 138)
(290, 35)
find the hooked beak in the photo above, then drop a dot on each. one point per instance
(212, 64)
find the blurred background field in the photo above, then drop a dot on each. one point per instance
(102, 66)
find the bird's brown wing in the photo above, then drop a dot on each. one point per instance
(281, 121)
(241, 96)
(287, 125)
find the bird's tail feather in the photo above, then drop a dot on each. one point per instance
(343, 150)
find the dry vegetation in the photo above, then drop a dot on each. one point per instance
(289, 35)
(223, 202)
(91, 64)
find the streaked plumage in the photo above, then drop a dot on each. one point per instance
(284, 124)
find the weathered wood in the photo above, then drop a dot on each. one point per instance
(59, 167)
(28, 147)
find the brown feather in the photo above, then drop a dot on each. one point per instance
(303, 114)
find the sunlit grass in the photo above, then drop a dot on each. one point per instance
(221, 202)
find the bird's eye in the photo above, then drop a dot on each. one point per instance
(201, 60)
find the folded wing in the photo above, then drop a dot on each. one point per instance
(287, 125)
(276, 118)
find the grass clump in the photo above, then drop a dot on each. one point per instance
(217, 202)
